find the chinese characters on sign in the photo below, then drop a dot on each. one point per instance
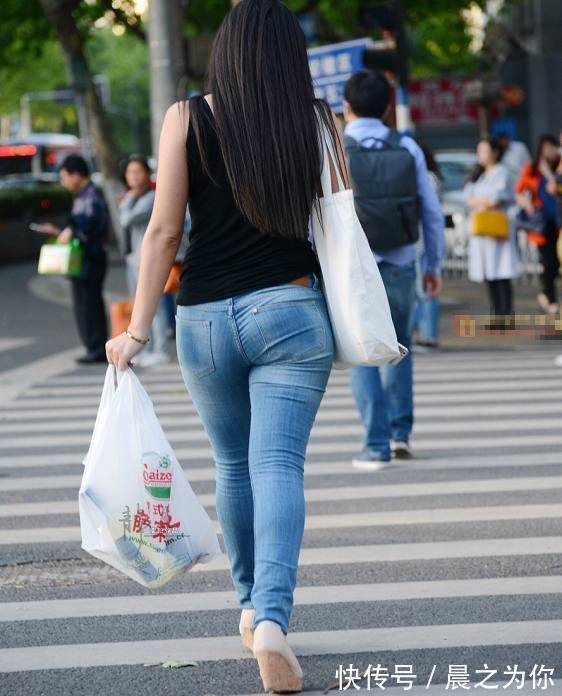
(458, 677)
(438, 100)
(332, 65)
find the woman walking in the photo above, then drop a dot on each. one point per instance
(492, 259)
(254, 339)
(536, 191)
(135, 210)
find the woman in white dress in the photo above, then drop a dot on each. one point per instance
(495, 261)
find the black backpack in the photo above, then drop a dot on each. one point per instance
(385, 189)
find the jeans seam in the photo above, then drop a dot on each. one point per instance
(237, 340)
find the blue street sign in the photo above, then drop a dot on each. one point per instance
(506, 124)
(332, 65)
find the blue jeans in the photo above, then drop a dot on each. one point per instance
(426, 318)
(385, 397)
(256, 367)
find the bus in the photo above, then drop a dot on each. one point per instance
(30, 189)
(29, 160)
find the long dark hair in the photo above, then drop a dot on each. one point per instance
(495, 146)
(266, 117)
(543, 140)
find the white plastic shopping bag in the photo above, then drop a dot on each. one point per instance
(108, 392)
(356, 298)
(138, 512)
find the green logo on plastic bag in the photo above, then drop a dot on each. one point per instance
(157, 475)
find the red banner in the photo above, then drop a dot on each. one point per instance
(437, 100)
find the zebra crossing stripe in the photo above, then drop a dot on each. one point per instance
(436, 374)
(135, 605)
(350, 449)
(373, 553)
(342, 429)
(356, 520)
(41, 422)
(387, 490)
(474, 385)
(207, 473)
(173, 404)
(352, 641)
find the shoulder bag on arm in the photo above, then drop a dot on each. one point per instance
(355, 295)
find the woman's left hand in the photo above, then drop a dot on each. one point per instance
(121, 350)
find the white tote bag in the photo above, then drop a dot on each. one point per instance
(355, 295)
(138, 512)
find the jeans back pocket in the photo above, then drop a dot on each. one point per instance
(195, 352)
(292, 330)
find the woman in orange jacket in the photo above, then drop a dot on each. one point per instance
(536, 191)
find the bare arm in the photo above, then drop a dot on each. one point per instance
(163, 234)
(165, 228)
(481, 203)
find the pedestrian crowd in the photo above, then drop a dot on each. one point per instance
(507, 193)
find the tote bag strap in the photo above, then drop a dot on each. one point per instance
(328, 158)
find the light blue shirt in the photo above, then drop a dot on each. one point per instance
(432, 218)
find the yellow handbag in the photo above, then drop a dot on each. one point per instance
(490, 223)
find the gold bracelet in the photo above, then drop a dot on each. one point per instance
(138, 340)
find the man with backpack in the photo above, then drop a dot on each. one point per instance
(393, 194)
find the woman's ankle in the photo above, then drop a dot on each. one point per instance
(275, 625)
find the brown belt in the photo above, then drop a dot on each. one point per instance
(303, 280)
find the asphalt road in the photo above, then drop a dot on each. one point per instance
(438, 567)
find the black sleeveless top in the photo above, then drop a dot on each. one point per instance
(226, 255)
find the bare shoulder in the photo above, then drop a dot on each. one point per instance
(176, 121)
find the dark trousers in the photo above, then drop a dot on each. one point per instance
(501, 297)
(549, 260)
(89, 308)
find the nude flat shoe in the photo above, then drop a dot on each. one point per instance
(245, 627)
(279, 668)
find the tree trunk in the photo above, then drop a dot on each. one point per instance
(60, 15)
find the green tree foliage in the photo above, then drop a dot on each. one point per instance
(31, 60)
(437, 29)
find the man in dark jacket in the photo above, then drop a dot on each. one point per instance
(88, 222)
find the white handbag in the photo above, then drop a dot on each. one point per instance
(351, 281)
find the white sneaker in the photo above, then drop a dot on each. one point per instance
(370, 461)
(401, 450)
(152, 359)
(372, 465)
